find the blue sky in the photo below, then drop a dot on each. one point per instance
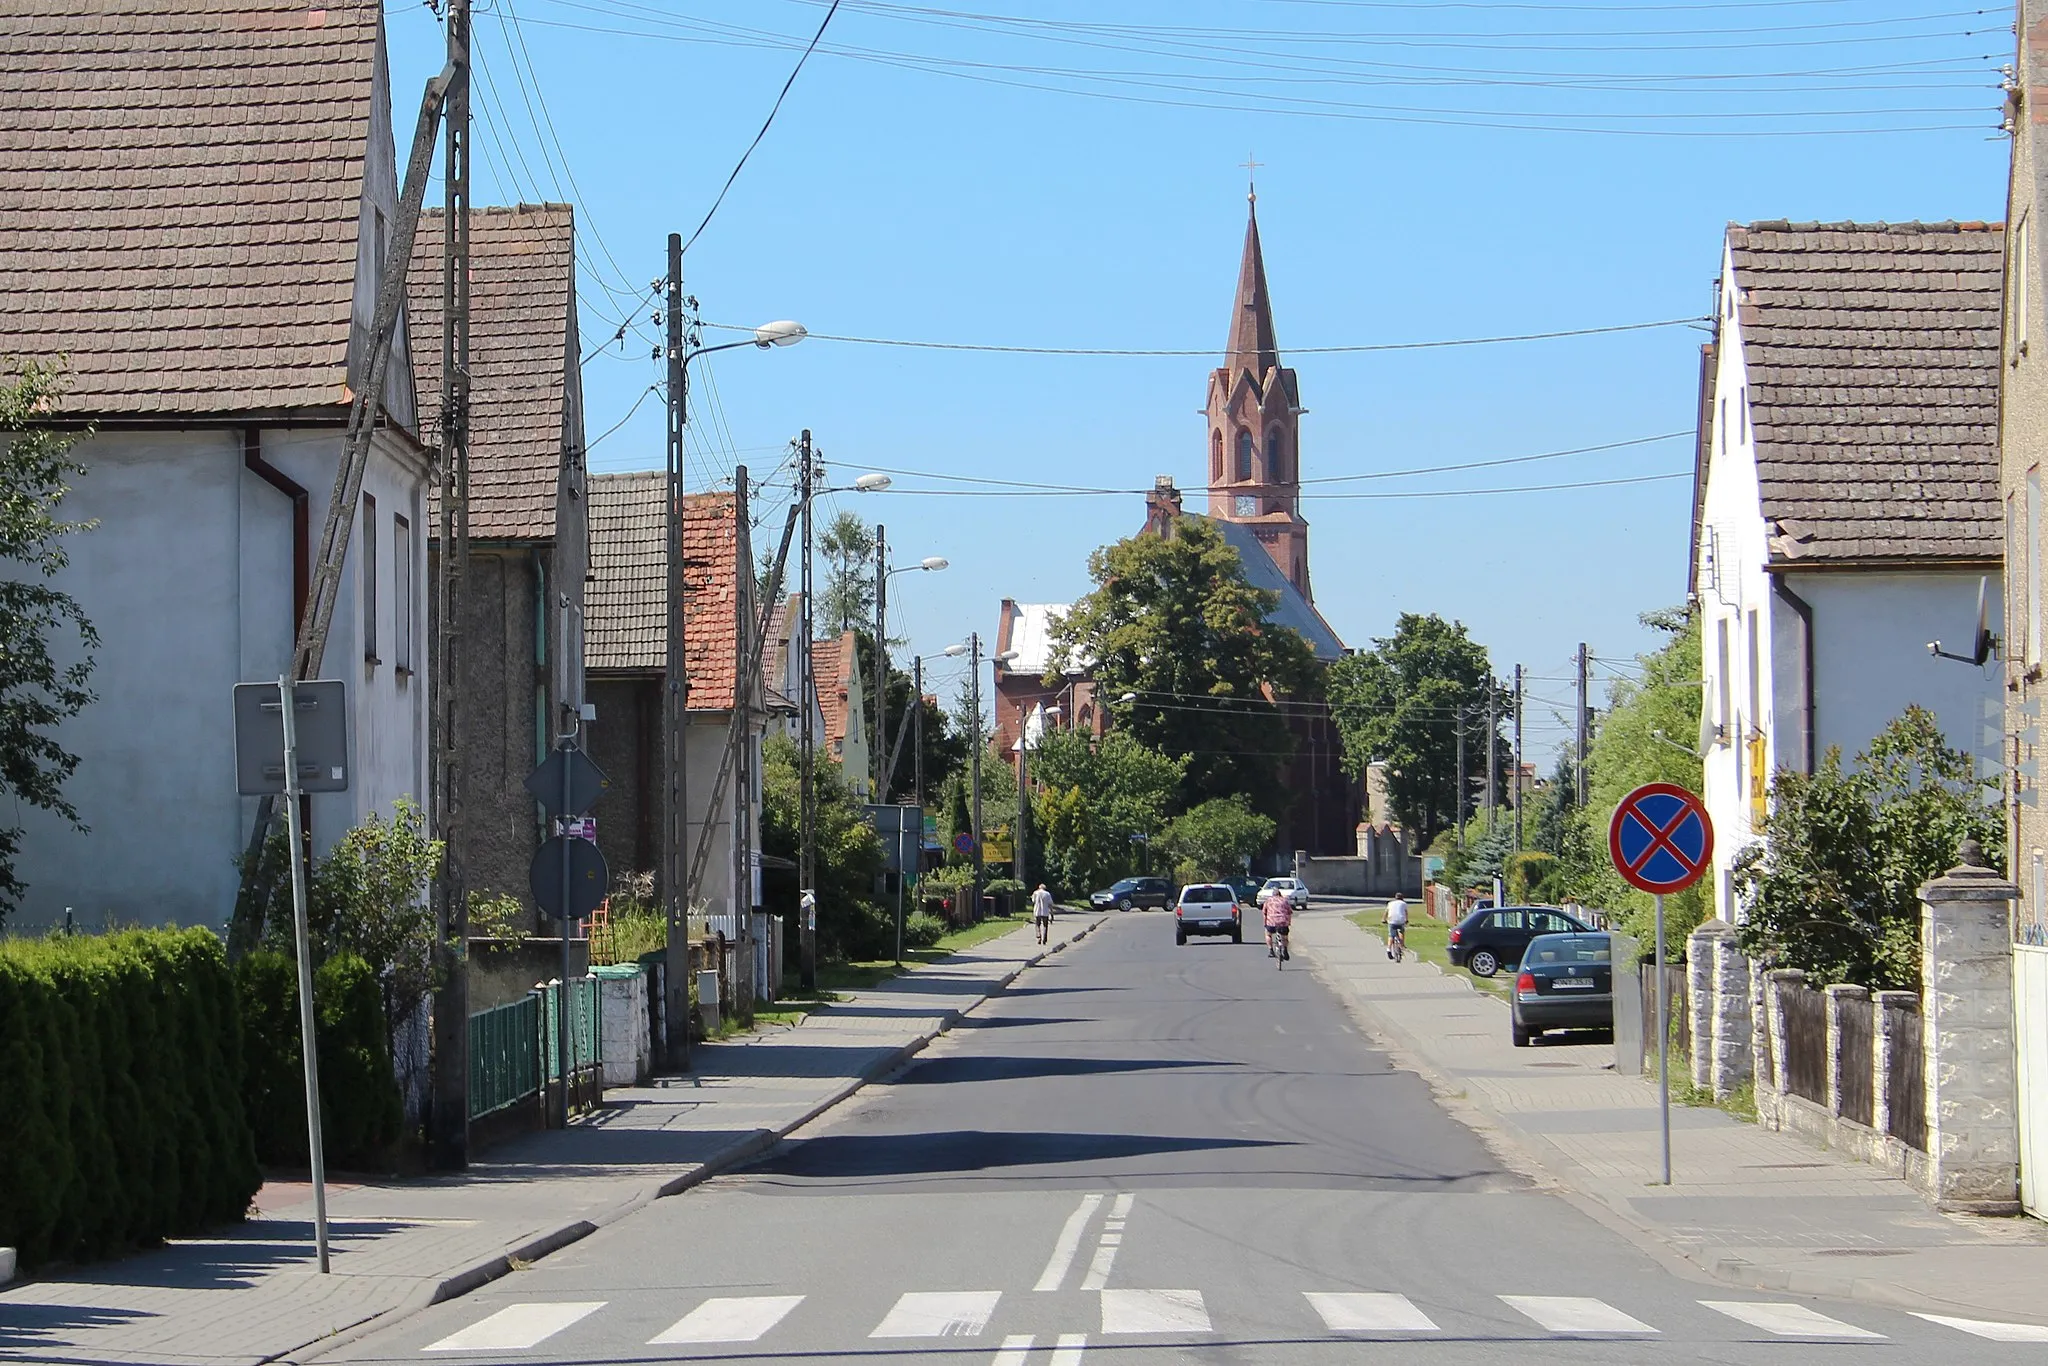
(1066, 174)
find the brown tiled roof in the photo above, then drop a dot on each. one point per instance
(831, 661)
(522, 280)
(183, 184)
(1872, 357)
(626, 601)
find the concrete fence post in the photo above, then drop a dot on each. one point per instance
(1966, 991)
(1836, 995)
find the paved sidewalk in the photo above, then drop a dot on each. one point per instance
(1753, 1207)
(252, 1294)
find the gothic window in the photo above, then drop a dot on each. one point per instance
(1244, 454)
(1216, 457)
(1276, 456)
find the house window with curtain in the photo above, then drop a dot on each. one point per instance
(1244, 454)
(369, 536)
(401, 595)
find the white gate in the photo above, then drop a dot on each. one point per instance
(2030, 1047)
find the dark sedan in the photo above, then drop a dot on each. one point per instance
(1566, 981)
(1134, 892)
(1491, 938)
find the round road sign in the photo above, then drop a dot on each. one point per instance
(964, 842)
(1661, 839)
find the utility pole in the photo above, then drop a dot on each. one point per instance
(974, 759)
(1017, 850)
(740, 759)
(451, 911)
(1515, 782)
(881, 796)
(1459, 807)
(1584, 732)
(807, 741)
(675, 697)
(917, 739)
(1492, 731)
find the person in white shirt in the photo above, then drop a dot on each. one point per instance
(1041, 912)
(1396, 921)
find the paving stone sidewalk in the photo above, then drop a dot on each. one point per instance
(1753, 1207)
(252, 1293)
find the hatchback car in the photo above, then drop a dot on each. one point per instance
(1293, 888)
(1134, 892)
(1207, 908)
(1566, 981)
(1486, 939)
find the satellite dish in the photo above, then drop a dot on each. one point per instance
(1982, 641)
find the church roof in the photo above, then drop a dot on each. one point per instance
(1252, 344)
(1295, 610)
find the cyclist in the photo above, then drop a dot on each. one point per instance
(1396, 921)
(1279, 915)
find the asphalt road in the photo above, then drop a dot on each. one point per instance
(1140, 1154)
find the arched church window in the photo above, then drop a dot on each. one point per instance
(1276, 455)
(1216, 457)
(1244, 454)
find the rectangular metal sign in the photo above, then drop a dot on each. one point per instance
(322, 734)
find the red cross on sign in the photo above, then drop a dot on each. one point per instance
(1661, 839)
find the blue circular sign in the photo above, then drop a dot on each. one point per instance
(964, 842)
(1661, 839)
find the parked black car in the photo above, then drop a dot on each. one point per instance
(1486, 939)
(1133, 892)
(1566, 981)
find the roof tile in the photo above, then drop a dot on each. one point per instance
(626, 622)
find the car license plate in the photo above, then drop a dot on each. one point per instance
(1572, 984)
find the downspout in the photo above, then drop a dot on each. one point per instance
(1804, 611)
(302, 518)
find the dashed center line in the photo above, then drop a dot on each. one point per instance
(1069, 1244)
(1112, 1239)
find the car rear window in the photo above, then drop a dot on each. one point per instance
(1209, 892)
(1571, 948)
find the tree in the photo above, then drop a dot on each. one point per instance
(849, 548)
(37, 691)
(1400, 702)
(1833, 885)
(1096, 795)
(1552, 810)
(1174, 623)
(850, 859)
(1215, 839)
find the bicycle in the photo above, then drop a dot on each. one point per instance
(1277, 940)
(1397, 941)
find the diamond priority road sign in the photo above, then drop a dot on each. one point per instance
(1660, 838)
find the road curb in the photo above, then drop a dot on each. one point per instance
(754, 1146)
(1566, 1180)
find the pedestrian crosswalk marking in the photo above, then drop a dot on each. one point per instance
(941, 1314)
(1788, 1320)
(517, 1327)
(1067, 1351)
(1154, 1311)
(1996, 1332)
(729, 1319)
(1575, 1314)
(1369, 1313)
(1015, 1351)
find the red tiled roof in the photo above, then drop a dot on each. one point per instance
(522, 331)
(183, 182)
(626, 626)
(831, 662)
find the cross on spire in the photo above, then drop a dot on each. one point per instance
(1251, 172)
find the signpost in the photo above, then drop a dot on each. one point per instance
(568, 876)
(1661, 841)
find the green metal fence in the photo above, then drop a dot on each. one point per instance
(504, 1055)
(583, 1029)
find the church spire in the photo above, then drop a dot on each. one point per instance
(1252, 345)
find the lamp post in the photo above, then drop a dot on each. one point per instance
(675, 693)
(875, 483)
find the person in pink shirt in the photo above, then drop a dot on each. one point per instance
(1279, 914)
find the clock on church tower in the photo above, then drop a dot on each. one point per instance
(1247, 505)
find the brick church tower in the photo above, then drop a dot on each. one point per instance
(1254, 421)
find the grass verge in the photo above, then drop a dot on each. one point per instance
(1430, 940)
(1739, 1103)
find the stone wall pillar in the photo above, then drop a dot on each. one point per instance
(1836, 995)
(1734, 1018)
(1702, 1001)
(1776, 982)
(1966, 990)
(1881, 1046)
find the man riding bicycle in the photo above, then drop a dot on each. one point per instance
(1279, 915)
(1396, 921)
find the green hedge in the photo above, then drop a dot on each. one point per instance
(1529, 875)
(360, 1115)
(120, 1069)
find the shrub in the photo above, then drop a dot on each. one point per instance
(360, 1114)
(121, 1067)
(1004, 884)
(922, 931)
(1528, 874)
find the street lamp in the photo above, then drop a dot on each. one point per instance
(884, 761)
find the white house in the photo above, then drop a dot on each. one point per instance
(198, 203)
(1845, 510)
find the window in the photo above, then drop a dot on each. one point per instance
(1721, 427)
(2033, 579)
(369, 534)
(401, 594)
(2018, 556)
(1742, 413)
(2019, 285)
(1276, 456)
(1756, 673)
(1723, 693)
(1244, 454)
(1216, 457)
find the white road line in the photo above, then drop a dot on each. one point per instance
(1112, 1238)
(939, 1314)
(1575, 1314)
(1016, 1350)
(1069, 1244)
(1788, 1320)
(1067, 1351)
(1154, 1311)
(729, 1319)
(1996, 1332)
(1098, 1269)
(1122, 1208)
(1369, 1313)
(516, 1327)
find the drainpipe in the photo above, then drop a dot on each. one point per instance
(1802, 609)
(302, 529)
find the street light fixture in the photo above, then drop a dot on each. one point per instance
(782, 332)
(872, 483)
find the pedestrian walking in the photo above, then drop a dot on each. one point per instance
(1041, 913)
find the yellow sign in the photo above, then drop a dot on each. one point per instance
(996, 846)
(1759, 782)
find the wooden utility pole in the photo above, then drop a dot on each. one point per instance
(450, 1127)
(1490, 738)
(881, 756)
(675, 696)
(1585, 727)
(807, 741)
(740, 748)
(1515, 782)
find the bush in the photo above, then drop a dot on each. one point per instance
(922, 931)
(1004, 885)
(1528, 875)
(360, 1114)
(120, 1064)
